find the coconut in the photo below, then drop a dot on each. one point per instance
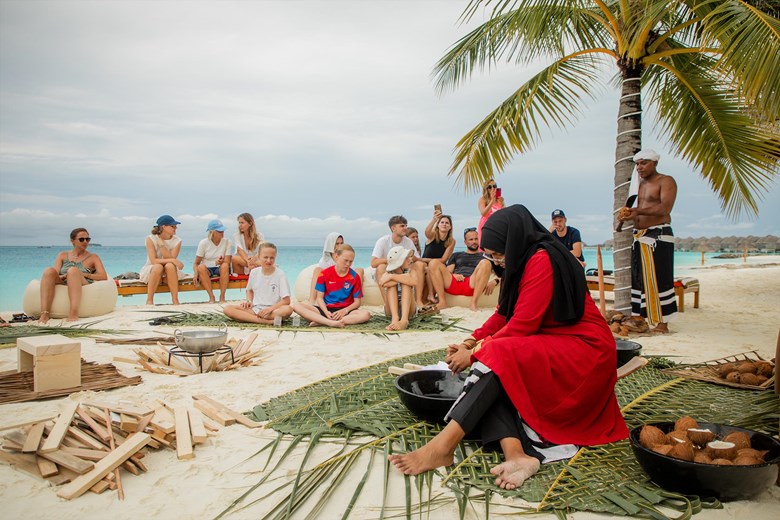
(761, 379)
(685, 423)
(726, 369)
(677, 436)
(722, 462)
(722, 450)
(747, 460)
(748, 379)
(733, 377)
(764, 368)
(651, 436)
(663, 449)
(748, 367)
(682, 451)
(700, 436)
(739, 439)
(750, 452)
(615, 327)
(701, 458)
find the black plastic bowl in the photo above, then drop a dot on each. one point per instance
(626, 350)
(707, 480)
(429, 394)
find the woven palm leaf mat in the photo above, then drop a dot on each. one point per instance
(602, 479)
(17, 387)
(376, 325)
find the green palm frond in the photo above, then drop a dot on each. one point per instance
(750, 49)
(551, 98)
(9, 335)
(712, 130)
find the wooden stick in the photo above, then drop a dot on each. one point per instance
(117, 477)
(46, 467)
(87, 418)
(54, 439)
(602, 300)
(66, 460)
(80, 485)
(197, 428)
(33, 440)
(211, 412)
(239, 417)
(183, 438)
(42, 419)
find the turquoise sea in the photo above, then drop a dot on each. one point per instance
(19, 265)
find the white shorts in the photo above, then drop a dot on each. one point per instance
(147, 270)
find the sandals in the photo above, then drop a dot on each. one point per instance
(428, 310)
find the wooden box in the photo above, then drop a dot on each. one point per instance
(54, 360)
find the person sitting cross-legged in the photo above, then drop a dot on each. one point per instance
(339, 291)
(466, 273)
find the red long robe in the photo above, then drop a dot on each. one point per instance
(561, 378)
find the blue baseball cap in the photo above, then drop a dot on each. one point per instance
(215, 225)
(167, 220)
(558, 213)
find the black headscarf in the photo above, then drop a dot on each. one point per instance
(514, 232)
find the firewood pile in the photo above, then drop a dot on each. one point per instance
(158, 359)
(85, 445)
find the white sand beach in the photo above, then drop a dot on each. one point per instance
(738, 313)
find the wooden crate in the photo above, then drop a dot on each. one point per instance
(54, 360)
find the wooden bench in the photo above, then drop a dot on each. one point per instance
(681, 286)
(131, 287)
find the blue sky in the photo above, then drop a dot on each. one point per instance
(314, 116)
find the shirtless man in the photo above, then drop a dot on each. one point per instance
(652, 294)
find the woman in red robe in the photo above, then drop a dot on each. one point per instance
(544, 372)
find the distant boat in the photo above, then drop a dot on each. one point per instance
(94, 244)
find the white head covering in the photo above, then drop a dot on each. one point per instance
(647, 155)
(396, 257)
(329, 247)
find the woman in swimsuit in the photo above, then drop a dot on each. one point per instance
(74, 268)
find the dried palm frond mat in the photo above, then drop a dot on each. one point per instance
(376, 325)
(364, 402)
(17, 387)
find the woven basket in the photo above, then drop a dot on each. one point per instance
(708, 371)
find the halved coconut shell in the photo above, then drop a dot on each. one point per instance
(700, 436)
(677, 436)
(721, 450)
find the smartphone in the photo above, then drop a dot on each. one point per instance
(437, 207)
(498, 192)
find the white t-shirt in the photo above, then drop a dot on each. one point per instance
(238, 241)
(267, 290)
(385, 244)
(156, 241)
(210, 253)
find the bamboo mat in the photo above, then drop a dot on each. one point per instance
(17, 387)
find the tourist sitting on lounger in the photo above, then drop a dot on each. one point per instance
(213, 259)
(267, 292)
(75, 268)
(162, 262)
(246, 245)
(546, 353)
(398, 283)
(339, 291)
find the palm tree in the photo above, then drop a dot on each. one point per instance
(710, 68)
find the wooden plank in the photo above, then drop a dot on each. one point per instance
(86, 439)
(19, 424)
(81, 484)
(26, 462)
(84, 453)
(239, 417)
(34, 437)
(120, 408)
(213, 413)
(66, 460)
(87, 418)
(61, 426)
(46, 467)
(163, 420)
(129, 466)
(183, 438)
(197, 428)
(128, 423)
(117, 478)
(99, 487)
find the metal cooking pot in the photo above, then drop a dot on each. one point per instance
(201, 341)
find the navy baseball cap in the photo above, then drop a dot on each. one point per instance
(558, 213)
(167, 220)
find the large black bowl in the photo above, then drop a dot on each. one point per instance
(707, 480)
(429, 394)
(626, 350)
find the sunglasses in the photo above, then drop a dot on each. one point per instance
(491, 186)
(84, 239)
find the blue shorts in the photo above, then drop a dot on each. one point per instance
(213, 271)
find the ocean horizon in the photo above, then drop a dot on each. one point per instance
(21, 264)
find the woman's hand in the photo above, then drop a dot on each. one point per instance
(245, 304)
(458, 358)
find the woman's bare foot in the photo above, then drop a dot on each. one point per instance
(212, 300)
(149, 302)
(73, 318)
(392, 326)
(174, 302)
(44, 317)
(422, 460)
(512, 473)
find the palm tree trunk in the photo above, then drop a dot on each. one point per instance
(629, 141)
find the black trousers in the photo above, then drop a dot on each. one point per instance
(486, 413)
